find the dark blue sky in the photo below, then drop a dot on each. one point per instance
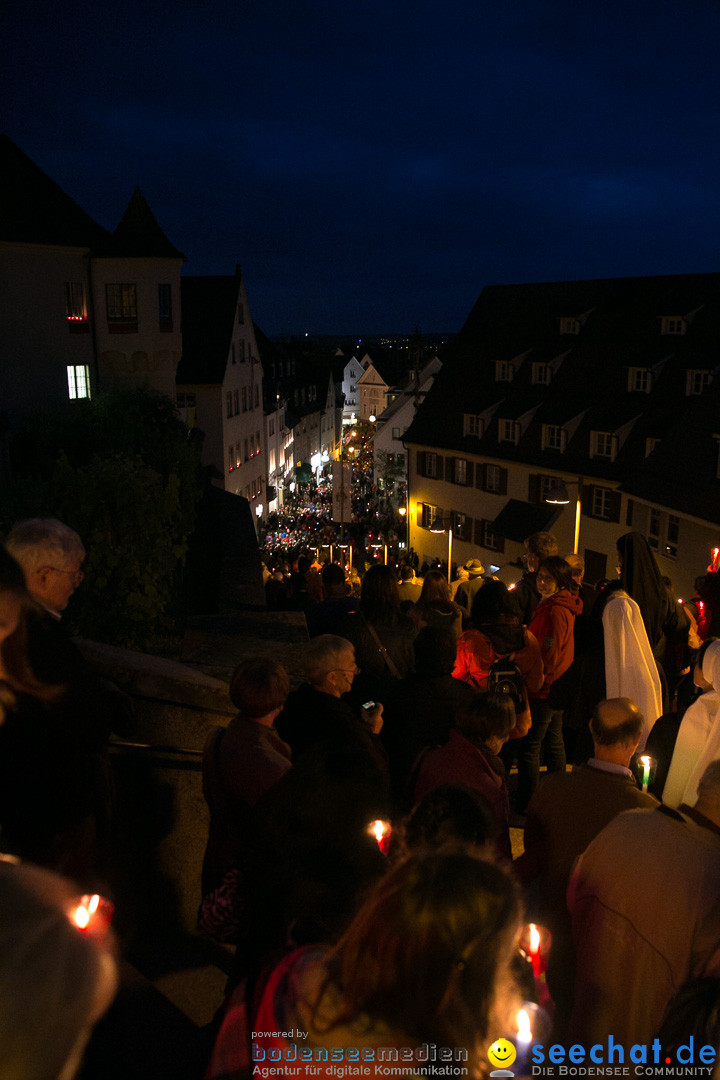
(372, 164)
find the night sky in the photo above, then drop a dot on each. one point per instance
(372, 164)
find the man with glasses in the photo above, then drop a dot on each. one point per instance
(51, 555)
(319, 712)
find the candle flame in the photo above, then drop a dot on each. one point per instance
(523, 1024)
(534, 939)
(81, 917)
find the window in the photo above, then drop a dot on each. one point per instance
(75, 302)
(257, 442)
(654, 529)
(504, 371)
(603, 444)
(673, 536)
(121, 301)
(509, 431)
(244, 399)
(495, 481)
(236, 401)
(603, 503)
(241, 314)
(489, 539)
(429, 514)
(271, 426)
(431, 465)
(400, 460)
(650, 445)
(228, 404)
(231, 458)
(257, 396)
(186, 401)
(240, 350)
(473, 425)
(569, 326)
(553, 437)
(462, 526)
(459, 471)
(673, 324)
(246, 456)
(697, 381)
(165, 314)
(397, 433)
(78, 376)
(640, 379)
(541, 374)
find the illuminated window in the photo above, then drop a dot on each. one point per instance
(75, 302)
(78, 376)
(459, 471)
(429, 515)
(602, 502)
(431, 464)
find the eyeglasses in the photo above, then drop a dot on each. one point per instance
(348, 671)
(77, 576)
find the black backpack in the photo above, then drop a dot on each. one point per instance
(505, 680)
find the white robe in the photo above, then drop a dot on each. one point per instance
(698, 741)
(630, 667)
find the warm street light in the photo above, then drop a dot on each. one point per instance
(558, 496)
(441, 525)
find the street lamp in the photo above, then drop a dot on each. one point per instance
(558, 496)
(444, 525)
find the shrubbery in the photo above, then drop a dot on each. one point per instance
(120, 471)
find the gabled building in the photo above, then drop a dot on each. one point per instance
(80, 308)
(610, 386)
(219, 383)
(389, 453)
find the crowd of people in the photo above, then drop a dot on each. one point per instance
(360, 857)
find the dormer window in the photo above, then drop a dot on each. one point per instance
(640, 379)
(504, 371)
(603, 444)
(569, 325)
(541, 374)
(554, 437)
(697, 381)
(473, 425)
(673, 324)
(509, 431)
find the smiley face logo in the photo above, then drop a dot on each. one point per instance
(502, 1053)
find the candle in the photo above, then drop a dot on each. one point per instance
(535, 944)
(524, 1031)
(646, 764)
(381, 831)
(91, 913)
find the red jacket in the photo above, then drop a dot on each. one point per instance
(553, 624)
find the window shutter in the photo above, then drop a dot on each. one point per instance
(478, 532)
(421, 463)
(534, 488)
(503, 482)
(614, 507)
(439, 467)
(480, 476)
(469, 474)
(449, 468)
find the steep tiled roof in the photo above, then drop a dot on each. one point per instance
(590, 382)
(138, 235)
(35, 210)
(209, 306)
